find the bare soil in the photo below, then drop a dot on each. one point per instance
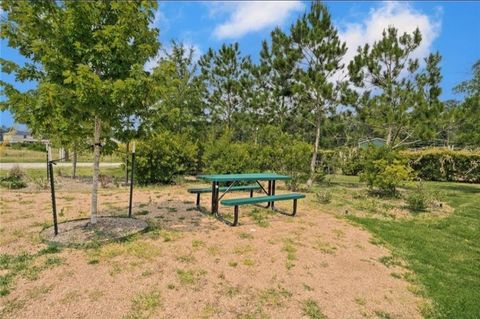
(191, 265)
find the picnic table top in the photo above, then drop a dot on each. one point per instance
(243, 177)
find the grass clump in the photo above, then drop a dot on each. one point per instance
(145, 304)
(260, 217)
(275, 296)
(190, 277)
(312, 310)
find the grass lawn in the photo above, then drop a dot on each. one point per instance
(34, 173)
(443, 252)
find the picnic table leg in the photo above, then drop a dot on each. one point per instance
(198, 200)
(212, 210)
(272, 204)
(269, 192)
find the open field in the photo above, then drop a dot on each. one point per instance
(319, 264)
(23, 155)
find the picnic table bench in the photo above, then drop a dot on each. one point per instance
(270, 197)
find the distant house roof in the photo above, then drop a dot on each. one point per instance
(376, 142)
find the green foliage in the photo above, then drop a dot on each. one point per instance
(384, 170)
(222, 155)
(14, 179)
(163, 156)
(440, 164)
(418, 199)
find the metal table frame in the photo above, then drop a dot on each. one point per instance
(271, 178)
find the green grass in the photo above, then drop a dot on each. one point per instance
(24, 155)
(33, 173)
(444, 253)
(312, 310)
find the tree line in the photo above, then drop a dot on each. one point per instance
(87, 60)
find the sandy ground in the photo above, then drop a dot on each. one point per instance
(193, 266)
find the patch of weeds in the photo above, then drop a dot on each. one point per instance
(389, 261)
(231, 291)
(50, 249)
(142, 212)
(324, 247)
(248, 262)
(16, 265)
(245, 235)
(95, 295)
(187, 202)
(167, 235)
(190, 277)
(290, 248)
(324, 197)
(171, 286)
(12, 306)
(312, 310)
(260, 217)
(214, 250)
(187, 259)
(242, 249)
(142, 205)
(382, 314)
(396, 275)
(338, 233)
(233, 264)
(197, 244)
(171, 209)
(70, 297)
(360, 301)
(145, 304)
(191, 209)
(274, 296)
(53, 261)
(208, 311)
(307, 287)
(138, 248)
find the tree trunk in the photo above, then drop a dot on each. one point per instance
(313, 163)
(389, 136)
(96, 169)
(74, 162)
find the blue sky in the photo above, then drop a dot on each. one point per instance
(452, 28)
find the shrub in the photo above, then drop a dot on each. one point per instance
(14, 179)
(384, 170)
(163, 156)
(440, 164)
(324, 197)
(222, 155)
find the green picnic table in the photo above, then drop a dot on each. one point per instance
(233, 179)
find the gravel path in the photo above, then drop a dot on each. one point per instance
(43, 165)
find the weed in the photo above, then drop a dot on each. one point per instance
(245, 235)
(197, 244)
(324, 247)
(187, 259)
(382, 314)
(260, 216)
(274, 296)
(312, 310)
(248, 262)
(145, 304)
(189, 277)
(360, 301)
(233, 264)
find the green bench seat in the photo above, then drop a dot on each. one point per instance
(199, 191)
(224, 188)
(262, 199)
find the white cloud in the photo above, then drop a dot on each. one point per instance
(245, 17)
(398, 14)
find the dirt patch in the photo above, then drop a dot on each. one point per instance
(190, 265)
(80, 232)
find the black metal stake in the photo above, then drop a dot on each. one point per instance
(52, 191)
(48, 168)
(131, 184)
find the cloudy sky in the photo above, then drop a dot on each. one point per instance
(453, 28)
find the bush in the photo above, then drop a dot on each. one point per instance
(224, 156)
(14, 179)
(384, 170)
(440, 164)
(163, 156)
(324, 197)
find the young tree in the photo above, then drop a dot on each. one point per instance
(225, 76)
(321, 52)
(396, 99)
(468, 114)
(91, 52)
